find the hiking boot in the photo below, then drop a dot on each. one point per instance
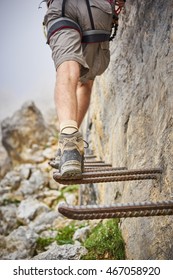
(54, 162)
(72, 154)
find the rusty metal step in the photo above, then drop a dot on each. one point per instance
(90, 156)
(115, 172)
(97, 171)
(102, 168)
(97, 164)
(109, 176)
(94, 162)
(128, 210)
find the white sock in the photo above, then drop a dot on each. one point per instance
(68, 127)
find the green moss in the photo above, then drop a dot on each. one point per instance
(59, 198)
(70, 189)
(43, 242)
(65, 235)
(10, 201)
(105, 242)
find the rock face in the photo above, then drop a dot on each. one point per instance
(132, 121)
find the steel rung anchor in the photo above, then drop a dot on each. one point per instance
(109, 176)
(102, 168)
(96, 164)
(89, 157)
(121, 172)
(128, 210)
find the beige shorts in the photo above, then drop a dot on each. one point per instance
(66, 43)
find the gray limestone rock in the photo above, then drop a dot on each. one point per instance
(64, 252)
(81, 234)
(8, 219)
(24, 133)
(20, 244)
(29, 209)
(44, 221)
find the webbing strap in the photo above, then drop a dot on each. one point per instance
(63, 8)
(90, 14)
(95, 36)
(89, 36)
(62, 23)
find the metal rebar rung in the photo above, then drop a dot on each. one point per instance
(90, 156)
(73, 181)
(90, 161)
(109, 176)
(143, 209)
(113, 172)
(103, 168)
(97, 164)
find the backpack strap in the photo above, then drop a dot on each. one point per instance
(90, 14)
(62, 23)
(63, 8)
(95, 36)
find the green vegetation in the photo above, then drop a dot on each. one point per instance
(105, 242)
(10, 201)
(43, 242)
(64, 236)
(68, 189)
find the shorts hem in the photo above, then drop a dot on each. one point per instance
(71, 58)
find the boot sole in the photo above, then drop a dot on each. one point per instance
(71, 170)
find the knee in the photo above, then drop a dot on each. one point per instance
(69, 70)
